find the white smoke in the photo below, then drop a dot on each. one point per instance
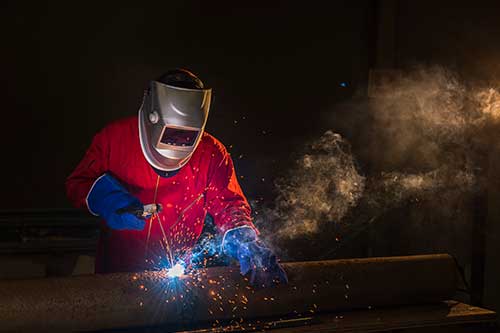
(323, 186)
(431, 135)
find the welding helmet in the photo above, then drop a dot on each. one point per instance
(172, 118)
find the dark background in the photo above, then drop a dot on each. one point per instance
(70, 70)
(281, 72)
(276, 69)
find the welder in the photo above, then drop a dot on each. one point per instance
(164, 159)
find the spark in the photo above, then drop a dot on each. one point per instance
(176, 271)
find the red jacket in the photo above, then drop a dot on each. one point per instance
(206, 184)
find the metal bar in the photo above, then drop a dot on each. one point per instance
(219, 294)
(478, 249)
(37, 247)
(491, 295)
(49, 217)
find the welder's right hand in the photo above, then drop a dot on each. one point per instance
(107, 197)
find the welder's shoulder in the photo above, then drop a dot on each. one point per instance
(124, 124)
(117, 133)
(120, 129)
(212, 144)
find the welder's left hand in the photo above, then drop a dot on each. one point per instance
(254, 257)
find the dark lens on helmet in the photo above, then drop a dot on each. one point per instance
(178, 136)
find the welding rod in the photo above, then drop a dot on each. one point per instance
(126, 300)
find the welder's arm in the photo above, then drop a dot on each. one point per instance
(90, 187)
(231, 212)
(109, 199)
(93, 165)
(225, 200)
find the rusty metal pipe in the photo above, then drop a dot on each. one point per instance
(150, 298)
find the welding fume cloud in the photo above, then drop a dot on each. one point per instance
(430, 137)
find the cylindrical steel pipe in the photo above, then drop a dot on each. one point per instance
(151, 298)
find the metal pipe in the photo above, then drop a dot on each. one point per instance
(150, 298)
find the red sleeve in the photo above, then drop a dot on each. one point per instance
(91, 167)
(225, 199)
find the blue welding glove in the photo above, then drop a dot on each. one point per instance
(255, 258)
(106, 197)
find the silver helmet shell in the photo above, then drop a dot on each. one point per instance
(171, 123)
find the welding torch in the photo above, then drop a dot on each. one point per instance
(143, 212)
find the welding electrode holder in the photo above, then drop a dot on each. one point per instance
(141, 212)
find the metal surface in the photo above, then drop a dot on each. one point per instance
(220, 294)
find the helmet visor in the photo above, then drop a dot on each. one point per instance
(178, 136)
